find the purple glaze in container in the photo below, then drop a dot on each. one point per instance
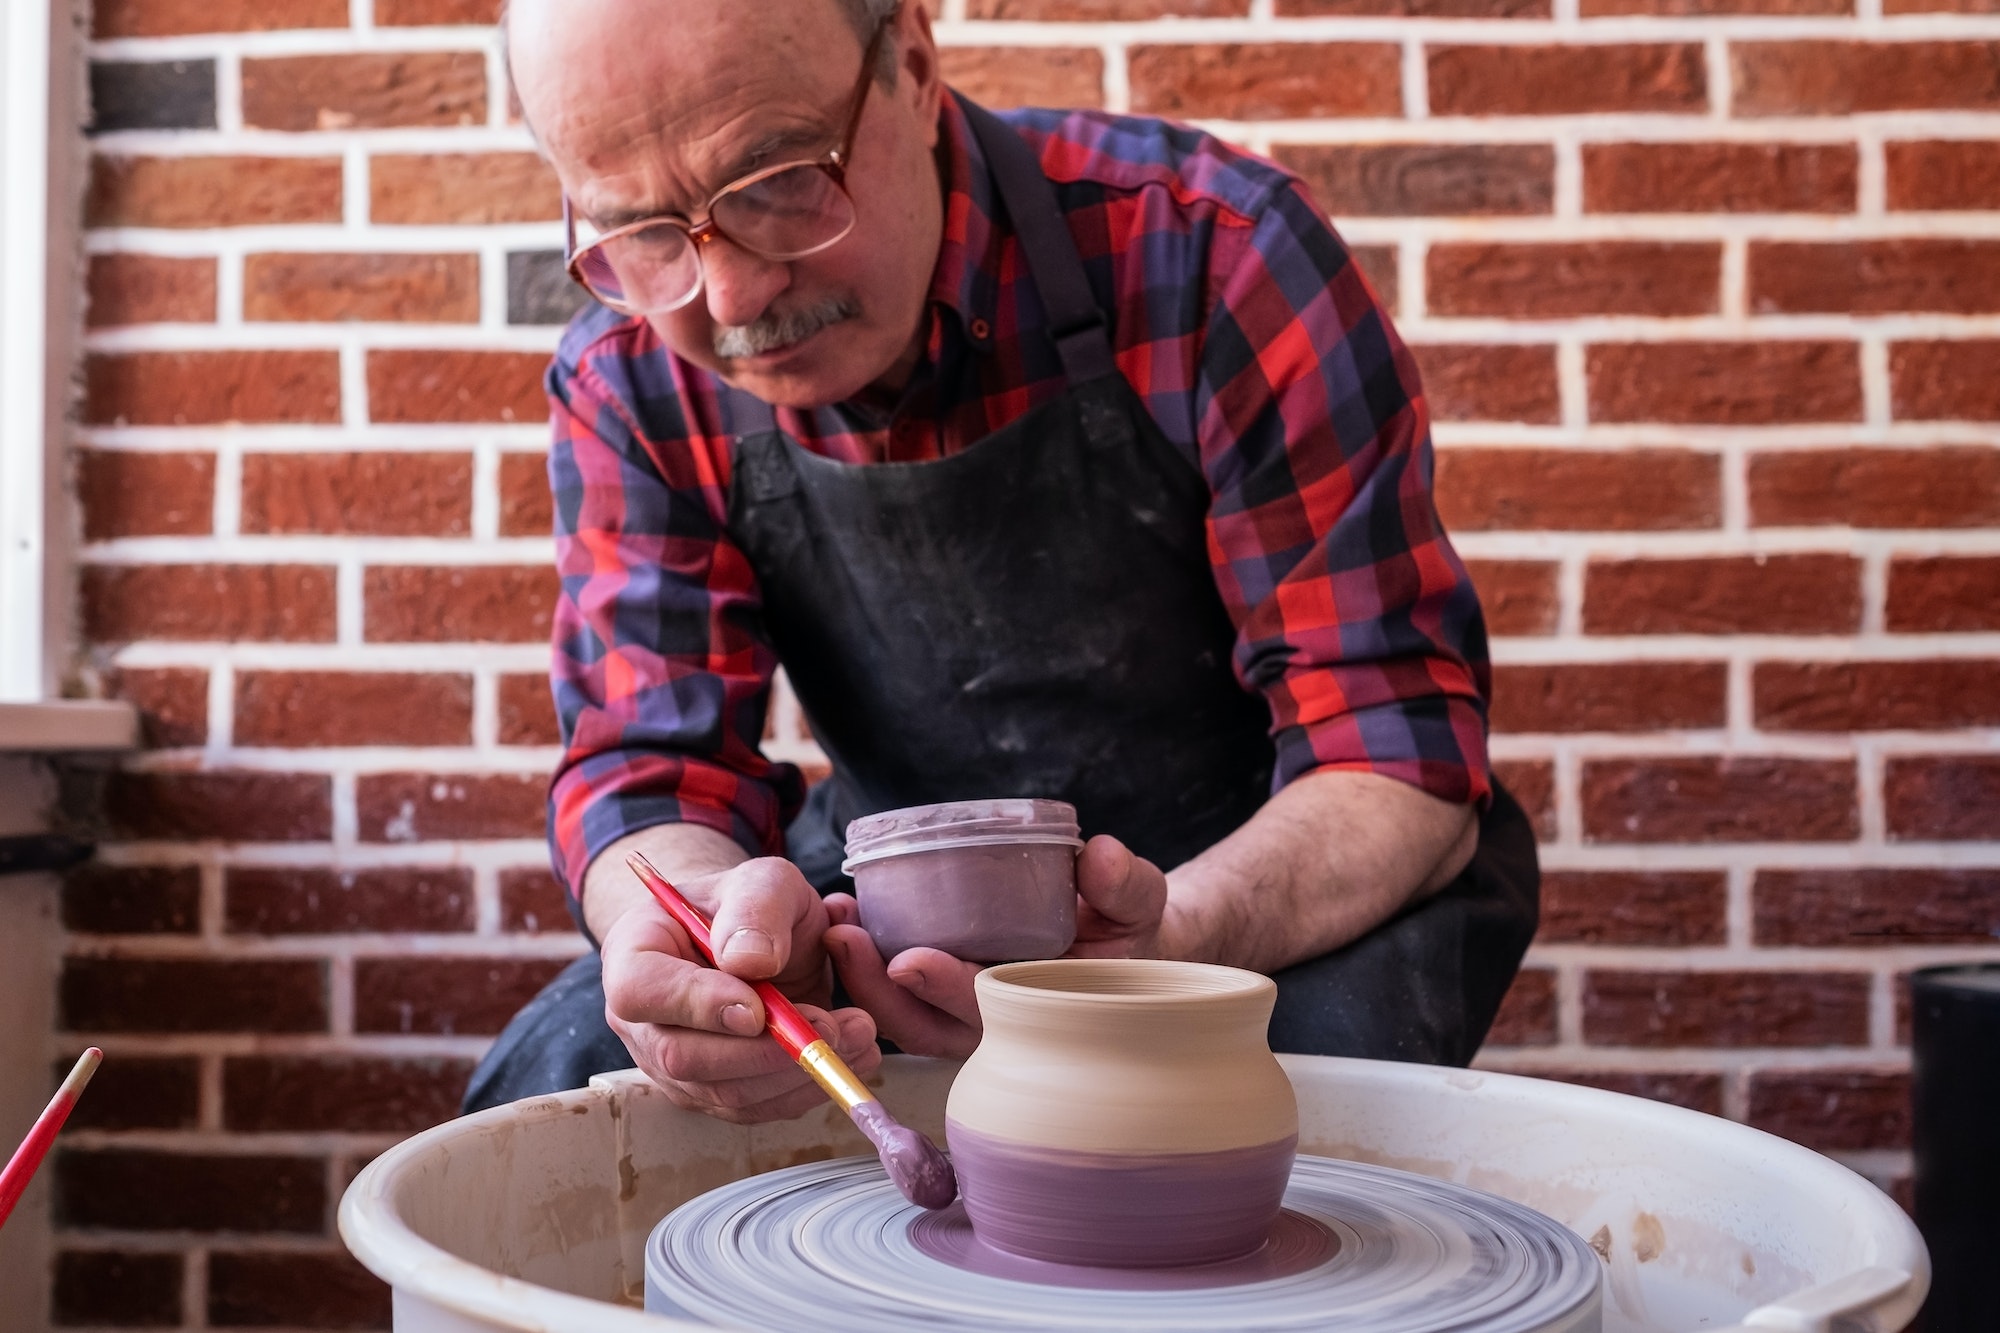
(987, 881)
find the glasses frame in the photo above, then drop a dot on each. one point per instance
(699, 234)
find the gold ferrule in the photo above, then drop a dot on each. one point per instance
(831, 1072)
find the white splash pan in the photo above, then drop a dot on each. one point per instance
(534, 1216)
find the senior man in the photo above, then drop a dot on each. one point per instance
(1060, 454)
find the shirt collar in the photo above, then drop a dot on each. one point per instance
(965, 279)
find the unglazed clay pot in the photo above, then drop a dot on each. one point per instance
(987, 881)
(1123, 1113)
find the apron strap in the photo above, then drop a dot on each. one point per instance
(1076, 325)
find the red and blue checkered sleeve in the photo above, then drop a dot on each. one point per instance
(661, 672)
(1354, 616)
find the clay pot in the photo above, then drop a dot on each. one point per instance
(986, 881)
(1123, 1113)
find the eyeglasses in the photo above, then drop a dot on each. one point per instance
(782, 212)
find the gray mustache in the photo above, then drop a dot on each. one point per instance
(781, 329)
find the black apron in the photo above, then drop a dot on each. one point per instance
(1036, 615)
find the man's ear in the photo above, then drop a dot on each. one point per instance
(918, 76)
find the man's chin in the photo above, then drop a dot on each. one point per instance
(812, 378)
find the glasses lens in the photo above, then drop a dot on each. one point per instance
(653, 268)
(787, 213)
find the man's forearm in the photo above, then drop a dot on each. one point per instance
(681, 852)
(1325, 860)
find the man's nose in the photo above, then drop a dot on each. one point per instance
(738, 285)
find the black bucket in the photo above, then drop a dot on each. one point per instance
(1955, 1134)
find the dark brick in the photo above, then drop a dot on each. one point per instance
(143, 1190)
(261, 1288)
(1809, 593)
(1609, 696)
(136, 1092)
(1944, 593)
(1935, 694)
(241, 806)
(532, 901)
(352, 1094)
(1486, 382)
(1768, 383)
(1725, 1009)
(151, 95)
(101, 899)
(117, 1288)
(313, 900)
(1943, 487)
(1410, 180)
(539, 291)
(172, 703)
(1667, 908)
(527, 509)
(1726, 799)
(458, 603)
(192, 995)
(1518, 596)
(1527, 1015)
(527, 713)
(1842, 906)
(288, 603)
(452, 996)
(1833, 1110)
(1578, 490)
(1950, 797)
(426, 807)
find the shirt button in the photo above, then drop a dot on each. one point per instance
(980, 330)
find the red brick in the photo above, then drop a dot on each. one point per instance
(228, 806)
(1009, 76)
(1724, 384)
(1695, 1091)
(149, 289)
(1923, 695)
(127, 494)
(1944, 593)
(288, 603)
(1533, 783)
(1944, 173)
(1947, 797)
(172, 703)
(1935, 381)
(1833, 1110)
(1947, 275)
(365, 91)
(1703, 799)
(299, 1290)
(204, 388)
(1945, 487)
(1611, 8)
(1449, 9)
(386, 494)
(137, 1092)
(1737, 594)
(311, 708)
(1267, 80)
(532, 901)
(432, 385)
(1527, 1015)
(1408, 180)
(352, 1094)
(144, 1190)
(192, 995)
(1836, 907)
(212, 191)
(1578, 490)
(426, 13)
(1518, 596)
(527, 509)
(1566, 80)
(1609, 696)
(102, 899)
(1719, 177)
(426, 289)
(170, 18)
(527, 713)
(1479, 382)
(419, 189)
(117, 1287)
(1559, 280)
(1090, 11)
(322, 900)
(463, 996)
(428, 807)
(458, 603)
(1725, 1009)
(1836, 78)
(1666, 908)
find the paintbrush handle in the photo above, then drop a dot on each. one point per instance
(20, 1168)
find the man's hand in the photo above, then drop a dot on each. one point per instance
(922, 999)
(698, 1031)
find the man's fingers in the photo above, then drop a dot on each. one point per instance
(940, 980)
(761, 905)
(650, 977)
(1122, 890)
(842, 909)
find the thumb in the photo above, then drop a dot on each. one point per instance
(1123, 889)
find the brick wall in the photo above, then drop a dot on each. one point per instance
(1707, 295)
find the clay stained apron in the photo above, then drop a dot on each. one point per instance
(1036, 616)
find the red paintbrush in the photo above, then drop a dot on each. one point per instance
(920, 1171)
(21, 1166)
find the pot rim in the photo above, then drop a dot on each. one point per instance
(1148, 982)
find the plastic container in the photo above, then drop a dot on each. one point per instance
(986, 881)
(533, 1217)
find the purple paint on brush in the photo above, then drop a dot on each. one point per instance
(1120, 1210)
(921, 1172)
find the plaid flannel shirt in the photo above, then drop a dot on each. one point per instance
(1252, 338)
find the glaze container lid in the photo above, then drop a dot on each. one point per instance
(1013, 820)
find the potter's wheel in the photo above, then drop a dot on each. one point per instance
(833, 1245)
